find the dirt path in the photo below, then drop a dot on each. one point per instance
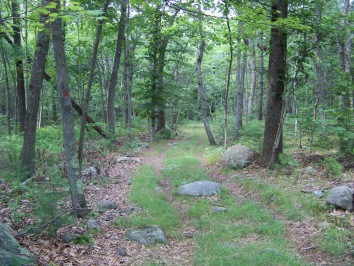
(111, 247)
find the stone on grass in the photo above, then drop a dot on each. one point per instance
(238, 156)
(11, 253)
(68, 237)
(92, 224)
(310, 170)
(148, 235)
(340, 197)
(104, 205)
(220, 209)
(318, 193)
(121, 251)
(200, 188)
(2, 181)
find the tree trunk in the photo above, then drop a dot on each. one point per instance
(272, 144)
(201, 87)
(111, 112)
(240, 94)
(70, 153)
(253, 81)
(261, 80)
(34, 93)
(20, 80)
(7, 93)
(89, 84)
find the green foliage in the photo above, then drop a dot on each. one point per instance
(85, 239)
(164, 133)
(333, 167)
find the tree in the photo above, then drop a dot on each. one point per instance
(111, 112)
(201, 87)
(71, 159)
(34, 93)
(272, 143)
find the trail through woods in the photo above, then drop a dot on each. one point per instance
(112, 248)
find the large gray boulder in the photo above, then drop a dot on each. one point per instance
(200, 188)
(238, 156)
(341, 197)
(148, 235)
(11, 253)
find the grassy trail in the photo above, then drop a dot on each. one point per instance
(248, 233)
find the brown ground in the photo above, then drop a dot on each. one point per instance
(116, 188)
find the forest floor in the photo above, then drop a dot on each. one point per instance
(116, 186)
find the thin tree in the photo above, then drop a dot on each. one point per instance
(201, 86)
(111, 112)
(89, 83)
(71, 159)
(33, 96)
(273, 144)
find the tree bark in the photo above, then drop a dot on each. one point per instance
(272, 144)
(20, 80)
(240, 94)
(34, 93)
(261, 80)
(201, 87)
(89, 84)
(111, 112)
(253, 81)
(70, 153)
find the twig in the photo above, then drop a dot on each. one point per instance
(43, 225)
(309, 248)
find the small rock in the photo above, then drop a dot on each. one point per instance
(104, 205)
(341, 197)
(318, 193)
(159, 189)
(92, 224)
(310, 170)
(200, 188)
(121, 251)
(220, 209)
(68, 237)
(129, 210)
(144, 145)
(129, 182)
(2, 181)
(323, 225)
(150, 235)
(90, 172)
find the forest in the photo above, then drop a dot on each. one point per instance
(127, 101)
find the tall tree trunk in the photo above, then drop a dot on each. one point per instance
(20, 80)
(228, 75)
(240, 94)
(70, 153)
(89, 84)
(34, 93)
(273, 144)
(111, 112)
(201, 87)
(253, 80)
(7, 94)
(261, 80)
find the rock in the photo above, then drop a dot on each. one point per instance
(220, 209)
(2, 181)
(341, 197)
(323, 225)
(121, 251)
(129, 210)
(238, 156)
(159, 189)
(68, 237)
(144, 145)
(318, 193)
(310, 170)
(104, 205)
(91, 172)
(92, 224)
(11, 253)
(150, 235)
(200, 188)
